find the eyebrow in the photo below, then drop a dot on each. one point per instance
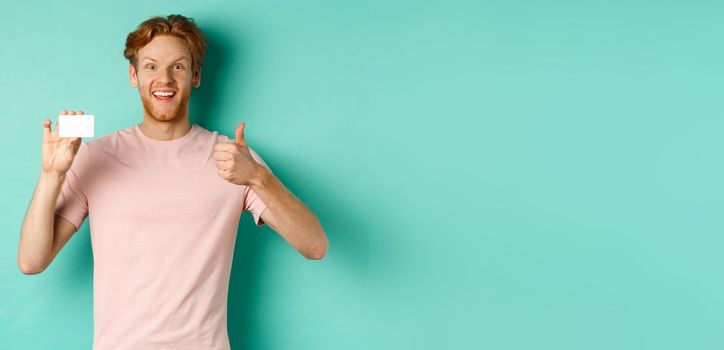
(176, 60)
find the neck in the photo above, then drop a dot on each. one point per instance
(165, 131)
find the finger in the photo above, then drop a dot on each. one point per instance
(80, 113)
(222, 165)
(240, 139)
(223, 156)
(223, 173)
(46, 128)
(224, 147)
(62, 112)
(71, 112)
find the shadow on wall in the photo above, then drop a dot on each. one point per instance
(204, 99)
(250, 244)
(348, 249)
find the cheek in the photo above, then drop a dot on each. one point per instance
(142, 81)
(186, 79)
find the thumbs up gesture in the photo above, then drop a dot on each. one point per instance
(234, 162)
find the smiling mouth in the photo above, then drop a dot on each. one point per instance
(163, 95)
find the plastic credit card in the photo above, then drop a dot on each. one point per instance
(75, 125)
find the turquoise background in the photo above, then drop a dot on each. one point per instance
(490, 174)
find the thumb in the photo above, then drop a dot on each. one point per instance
(240, 139)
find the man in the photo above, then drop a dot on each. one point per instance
(164, 199)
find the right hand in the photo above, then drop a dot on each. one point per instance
(58, 152)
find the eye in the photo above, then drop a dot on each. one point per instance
(151, 66)
(178, 67)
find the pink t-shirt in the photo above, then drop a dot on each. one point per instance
(163, 225)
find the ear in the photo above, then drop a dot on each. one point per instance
(196, 80)
(132, 76)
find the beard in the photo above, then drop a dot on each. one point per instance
(166, 112)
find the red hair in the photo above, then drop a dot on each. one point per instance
(174, 25)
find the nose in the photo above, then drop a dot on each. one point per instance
(165, 77)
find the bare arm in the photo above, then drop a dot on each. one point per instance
(44, 233)
(289, 217)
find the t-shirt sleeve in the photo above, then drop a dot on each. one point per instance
(252, 202)
(72, 203)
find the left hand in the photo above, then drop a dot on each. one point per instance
(234, 162)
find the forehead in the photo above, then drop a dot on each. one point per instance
(165, 48)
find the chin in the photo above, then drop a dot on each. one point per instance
(167, 113)
(165, 117)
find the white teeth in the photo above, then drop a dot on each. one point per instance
(163, 93)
